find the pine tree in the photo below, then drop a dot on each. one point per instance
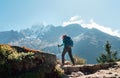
(109, 56)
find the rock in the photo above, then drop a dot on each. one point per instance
(24, 59)
(87, 69)
(109, 73)
(80, 73)
(93, 71)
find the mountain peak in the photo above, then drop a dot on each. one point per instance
(87, 42)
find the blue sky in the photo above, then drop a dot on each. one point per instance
(20, 14)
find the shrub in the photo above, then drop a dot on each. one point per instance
(79, 60)
(9, 57)
(5, 50)
(58, 70)
(109, 56)
(20, 56)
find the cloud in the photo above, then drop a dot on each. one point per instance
(73, 20)
(91, 24)
(102, 28)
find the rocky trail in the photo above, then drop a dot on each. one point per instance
(111, 70)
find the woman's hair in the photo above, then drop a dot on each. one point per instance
(64, 36)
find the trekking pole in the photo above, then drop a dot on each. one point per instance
(58, 49)
(59, 52)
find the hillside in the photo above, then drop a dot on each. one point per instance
(87, 42)
(22, 62)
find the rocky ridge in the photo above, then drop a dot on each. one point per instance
(110, 70)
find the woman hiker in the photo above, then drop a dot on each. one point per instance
(68, 44)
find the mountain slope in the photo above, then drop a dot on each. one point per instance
(92, 44)
(10, 36)
(88, 43)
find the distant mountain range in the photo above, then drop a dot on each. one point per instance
(88, 43)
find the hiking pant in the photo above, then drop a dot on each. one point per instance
(69, 50)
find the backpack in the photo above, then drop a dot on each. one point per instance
(68, 41)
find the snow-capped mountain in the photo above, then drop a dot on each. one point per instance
(88, 43)
(35, 31)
